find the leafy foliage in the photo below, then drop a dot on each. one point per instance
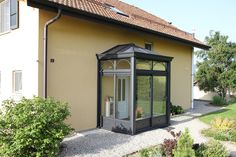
(169, 144)
(215, 148)
(184, 146)
(176, 109)
(152, 152)
(216, 71)
(218, 100)
(199, 151)
(32, 127)
(223, 124)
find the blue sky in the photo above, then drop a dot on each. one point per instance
(199, 16)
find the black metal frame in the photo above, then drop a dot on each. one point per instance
(136, 126)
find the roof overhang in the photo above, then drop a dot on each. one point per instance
(47, 5)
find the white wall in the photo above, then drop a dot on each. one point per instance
(201, 95)
(19, 51)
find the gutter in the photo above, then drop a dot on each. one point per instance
(45, 50)
(51, 6)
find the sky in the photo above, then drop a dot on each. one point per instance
(195, 16)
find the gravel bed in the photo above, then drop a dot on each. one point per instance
(103, 143)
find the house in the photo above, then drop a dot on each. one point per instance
(116, 65)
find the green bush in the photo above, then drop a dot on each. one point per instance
(152, 152)
(32, 127)
(176, 109)
(220, 135)
(184, 146)
(215, 148)
(199, 151)
(218, 100)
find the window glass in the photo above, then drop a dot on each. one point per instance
(148, 46)
(143, 64)
(17, 81)
(107, 65)
(4, 16)
(123, 64)
(159, 95)
(107, 96)
(143, 109)
(159, 66)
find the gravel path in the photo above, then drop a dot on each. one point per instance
(102, 143)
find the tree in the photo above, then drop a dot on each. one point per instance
(216, 70)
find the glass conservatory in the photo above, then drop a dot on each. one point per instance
(133, 89)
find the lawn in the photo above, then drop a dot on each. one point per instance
(227, 112)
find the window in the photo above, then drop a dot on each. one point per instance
(148, 46)
(17, 82)
(4, 16)
(9, 16)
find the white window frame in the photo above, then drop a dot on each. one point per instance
(4, 16)
(14, 81)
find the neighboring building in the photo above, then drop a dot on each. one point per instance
(86, 28)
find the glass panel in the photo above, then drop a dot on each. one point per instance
(123, 103)
(119, 90)
(159, 95)
(143, 64)
(123, 64)
(143, 109)
(159, 66)
(148, 46)
(107, 96)
(107, 65)
(123, 90)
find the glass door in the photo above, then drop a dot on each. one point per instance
(143, 97)
(159, 96)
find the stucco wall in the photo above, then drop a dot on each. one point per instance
(19, 51)
(73, 44)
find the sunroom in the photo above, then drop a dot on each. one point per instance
(133, 89)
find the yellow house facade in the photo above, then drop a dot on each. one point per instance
(73, 41)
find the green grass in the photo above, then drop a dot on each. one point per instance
(227, 112)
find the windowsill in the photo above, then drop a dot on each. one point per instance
(6, 32)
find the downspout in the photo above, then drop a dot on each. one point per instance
(192, 75)
(45, 83)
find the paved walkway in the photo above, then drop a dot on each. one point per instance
(102, 143)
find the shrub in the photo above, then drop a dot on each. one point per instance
(215, 148)
(223, 124)
(176, 109)
(32, 127)
(184, 146)
(152, 152)
(199, 150)
(169, 144)
(218, 100)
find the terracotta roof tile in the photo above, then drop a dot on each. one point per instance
(136, 16)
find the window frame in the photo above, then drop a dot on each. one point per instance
(8, 17)
(150, 44)
(14, 91)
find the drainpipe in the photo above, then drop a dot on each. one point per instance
(192, 75)
(54, 19)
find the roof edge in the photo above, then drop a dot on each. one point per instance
(47, 5)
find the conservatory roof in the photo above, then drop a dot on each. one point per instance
(131, 50)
